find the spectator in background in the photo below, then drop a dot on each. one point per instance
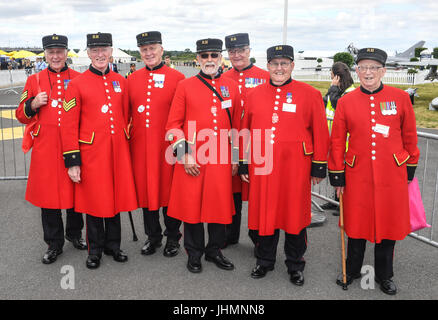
(27, 67)
(40, 65)
(342, 83)
(132, 69)
(168, 62)
(112, 65)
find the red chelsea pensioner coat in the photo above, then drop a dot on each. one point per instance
(294, 143)
(94, 136)
(48, 185)
(207, 197)
(382, 148)
(150, 96)
(247, 79)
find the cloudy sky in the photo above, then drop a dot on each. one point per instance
(312, 25)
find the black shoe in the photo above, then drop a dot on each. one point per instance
(194, 265)
(118, 255)
(150, 247)
(51, 255)
(220, 261)
(93, 261)
(78, 243)
(387, 286)
(329, 206)
(260, 271)
(350, 278)
(297, 278)
(171, 249)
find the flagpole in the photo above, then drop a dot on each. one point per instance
(285, 22)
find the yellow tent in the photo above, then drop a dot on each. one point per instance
(72, 54)
(3, 53)
(40, 54)
(23, 54)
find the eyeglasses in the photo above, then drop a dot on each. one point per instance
(236, 51)
(373, 68)
(283, 64)
(206, 55)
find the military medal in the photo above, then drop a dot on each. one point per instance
(289, 97)
(246, 82)
(66, 81)
(104, 108)
(141, 108)
(116, 86)
(393, 108)
(54, 103)
(275, 118)
(225, 92)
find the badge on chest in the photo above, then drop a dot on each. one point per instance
(158, 80)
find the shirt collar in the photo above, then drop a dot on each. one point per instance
(95, 71)
(156, 67)
(62, 70)
(372, 92)
(247, 68)
(209, 77)
(287, 82)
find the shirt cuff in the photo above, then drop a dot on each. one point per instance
(72, 158)
(28, 112)
(337, 178)
(319, 169)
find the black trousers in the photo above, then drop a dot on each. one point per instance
(295, 245)
(103, 233)
(152, 226)
(53, 227)
(383, 257)
(194, 239)
(233, 229)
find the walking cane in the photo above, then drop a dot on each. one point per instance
(134, 236)
(341, 221)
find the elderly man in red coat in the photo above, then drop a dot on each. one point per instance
(151, 91)
(287, 152)
(248, 77)
(204, 110)
(96, 150)
(373, 174)
(49, 186)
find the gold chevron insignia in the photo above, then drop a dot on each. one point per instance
(23, 96)
(68, 105)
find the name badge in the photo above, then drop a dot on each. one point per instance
(289, 107)
(226, 104)
(380, 128)
(158, 77)
(159, 80)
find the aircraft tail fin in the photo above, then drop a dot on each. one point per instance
(410, 53)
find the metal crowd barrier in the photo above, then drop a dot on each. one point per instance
(14, 165)
(427, 175)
